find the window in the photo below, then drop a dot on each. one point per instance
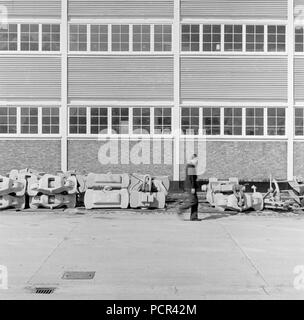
(78, 120)
(29, 120)
(8, 38)
(190, 37)
(211, 37)
(50, 120)
(141, 120)
(50, 37)
(29, 37)
(120, 38)
(254, 38)
(8, 120)
(162, 120)
(212, 121)
(99, 120)
(141, 37)
(299, 39)
(162, 37)
(99, 37)
(190, 121)
(233, 121)
(120, 120)
(299, 122)
(276, 121)
(78, 37)
(276, 38)
(233, 37)
(254, 121)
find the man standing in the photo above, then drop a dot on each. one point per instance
(190, 186)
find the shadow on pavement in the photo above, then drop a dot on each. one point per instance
(219, 216)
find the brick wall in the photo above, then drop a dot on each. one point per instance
(299, 159)
(249, 161)
(252, 161)
(85, 156)
(40, 155)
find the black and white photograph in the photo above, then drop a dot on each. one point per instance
(151, 150)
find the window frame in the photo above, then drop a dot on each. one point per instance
(276, 120)
(153, 133)
(233, 35)
(212, 35)
(199, 129)
(77, 124)
(51, 34)
(233, 117)
(89, 112)
(295, 43)
(90, 42)
(141, 125)
(141, 34)
(88, 37)
(8, 33)
(255, 35)
(40, 51)
(244, 25)
(190, 42)
(162, 34)
(50, 124)
(130, 37)
(276, 36)
(39, 133)
(212, 116)
(30, 33)
(295, 122)
(8, 124)
(162, 117)
(255, 126)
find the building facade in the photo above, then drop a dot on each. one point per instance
(78, 75)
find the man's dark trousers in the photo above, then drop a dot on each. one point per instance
(191, 201)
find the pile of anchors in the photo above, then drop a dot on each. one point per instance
(29, 188)
(230, 195)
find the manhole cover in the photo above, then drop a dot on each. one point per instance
(78, 275)
(46, 290)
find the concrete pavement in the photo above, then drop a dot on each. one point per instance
(151, 256)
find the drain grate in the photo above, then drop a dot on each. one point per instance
(44, 290)
(78, 275)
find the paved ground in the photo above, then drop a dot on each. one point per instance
(152, 256)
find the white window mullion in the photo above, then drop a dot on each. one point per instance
(130, 120)
(200, 131)
(244, 37)
(201, 37)
(40, 37)
(88, 109)
(222, 122)
(109, 120)
(109, 38)
(18, 115)
(152, 122)
(39, 121)
(18, 37)
(265, 121)
(88, 37)
(222, 37)
(244, 122)
(131, 38)
(265, 38)
(152, 38)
